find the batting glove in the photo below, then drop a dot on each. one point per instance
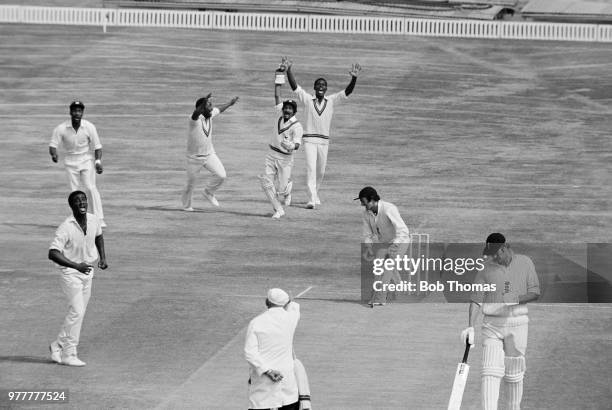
(468, 333)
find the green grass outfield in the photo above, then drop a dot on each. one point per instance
(465, 136)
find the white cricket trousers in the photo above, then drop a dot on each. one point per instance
(77, 290)
(82, 174)
(194, 165)
(316, 161)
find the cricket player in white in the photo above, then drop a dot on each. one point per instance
(78, 243)
(505, 321)
(79, 137)
(285, 139)
(382, 223)
(268, 349)
(318, 111)
(200, 150)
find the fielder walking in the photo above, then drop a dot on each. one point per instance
(319, 111)
(505, 321)
(269, 351)
(382, 223)
(78, 137)
(200, 150)
(285, 140)
(78, 243)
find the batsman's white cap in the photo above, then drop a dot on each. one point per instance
(278, 297)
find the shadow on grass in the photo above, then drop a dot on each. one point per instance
(26, 359)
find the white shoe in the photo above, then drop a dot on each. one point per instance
(310, 205)
(56, 351)
(72, 360)
(102, 223)
(372, 304)
(188, 209)
(287, 201)
(211, 198)
(279, 212)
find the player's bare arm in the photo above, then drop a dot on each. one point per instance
(98, 161)
(225, 106)
(355, 70)
(53, 153)
(277, 94)
(100, 246)
(58, 257)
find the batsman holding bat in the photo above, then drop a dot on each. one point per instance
(504, 326)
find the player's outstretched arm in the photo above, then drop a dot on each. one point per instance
(277, 94)
(225, 106)
(290, 77)
(355, 69)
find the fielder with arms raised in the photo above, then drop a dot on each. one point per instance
(286, 138)
(319, 111)
(504, 326)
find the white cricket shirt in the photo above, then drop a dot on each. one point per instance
(77, 144)
(199, 137)
(318, 116)
(74, 244)
(387, 226)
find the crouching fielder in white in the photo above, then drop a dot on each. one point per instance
(77, 245)
(200, 150)
(505, 322)
(287, 137)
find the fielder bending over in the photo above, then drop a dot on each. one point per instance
(504, 326)
(200, 150)
(287, 137)
(319, 111)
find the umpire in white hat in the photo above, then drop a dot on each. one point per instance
(269, 350)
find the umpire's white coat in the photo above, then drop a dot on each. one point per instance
(269, 346)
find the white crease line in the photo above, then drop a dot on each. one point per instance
(586, 305)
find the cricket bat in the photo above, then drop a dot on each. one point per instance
(461, 375)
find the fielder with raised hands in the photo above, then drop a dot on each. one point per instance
(505, 321)
(319, 111)
(284, 141)
(200, 150)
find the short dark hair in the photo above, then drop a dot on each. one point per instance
(319, 79)
(73, 195)
(201, 101)
(369, 194)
